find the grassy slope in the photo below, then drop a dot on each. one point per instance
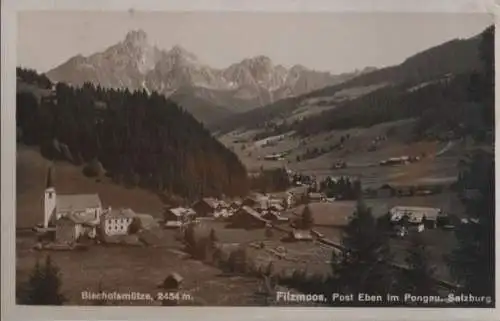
(356, 154)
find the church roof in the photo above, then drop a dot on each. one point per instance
(77, 202)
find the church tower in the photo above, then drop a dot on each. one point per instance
(49, 202)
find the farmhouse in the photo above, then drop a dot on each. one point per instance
(209, 206)
(416, 215)
(385, 191)
(255, 199)
(298, 193)
(246, 217)
(300, 235)
(283, 198)
(205, 207)
(316, 197)
(274, 217)
(405, 190)
(395, 161)
(178, 214)
(117, 222)
(235, 205)
(275, 207)
(70, 228)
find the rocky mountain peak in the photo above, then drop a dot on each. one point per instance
(136, 38)
(181, 53)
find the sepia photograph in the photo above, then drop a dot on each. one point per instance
(254, 159)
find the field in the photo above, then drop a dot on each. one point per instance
(138, 269)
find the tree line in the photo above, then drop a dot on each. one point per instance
(343, 188)
(138, 139)
(270, 180)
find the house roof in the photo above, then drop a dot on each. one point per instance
(316, 195)
(147, 220)
(176, 276)
(173, 224)
(275, 216)
(277, 207)
(301, 234)
(236, 203)
(250, 211)
(257, 197)
(120, 213)
(298, 190)
(77, 202)
(74, 218)
(415, 214)
(281, 195)
(181, 211)
(210, 201)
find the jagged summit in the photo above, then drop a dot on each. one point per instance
(136, 37)
(180, 53)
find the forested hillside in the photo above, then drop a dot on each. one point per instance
(450, 103)
(430, 84)
(138, 139)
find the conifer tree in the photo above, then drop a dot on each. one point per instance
(307, 219)
(419, 278)
(44, 285)
(473, 261)
(362, 266)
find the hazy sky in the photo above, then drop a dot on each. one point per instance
(336, 42)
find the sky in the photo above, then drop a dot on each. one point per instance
(334, 42)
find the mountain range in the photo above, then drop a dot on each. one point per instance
(432, 66)
(208, 93)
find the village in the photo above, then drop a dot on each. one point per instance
(293, 230)
(69, 219)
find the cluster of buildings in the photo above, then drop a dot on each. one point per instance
(72, 217)
(254, 211)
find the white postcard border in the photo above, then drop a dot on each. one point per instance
(8, 183)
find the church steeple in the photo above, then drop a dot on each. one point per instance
(49, 202)
(50, 182)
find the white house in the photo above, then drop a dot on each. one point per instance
(117, 221)
(416, 215)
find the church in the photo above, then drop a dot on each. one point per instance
(72, 215)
